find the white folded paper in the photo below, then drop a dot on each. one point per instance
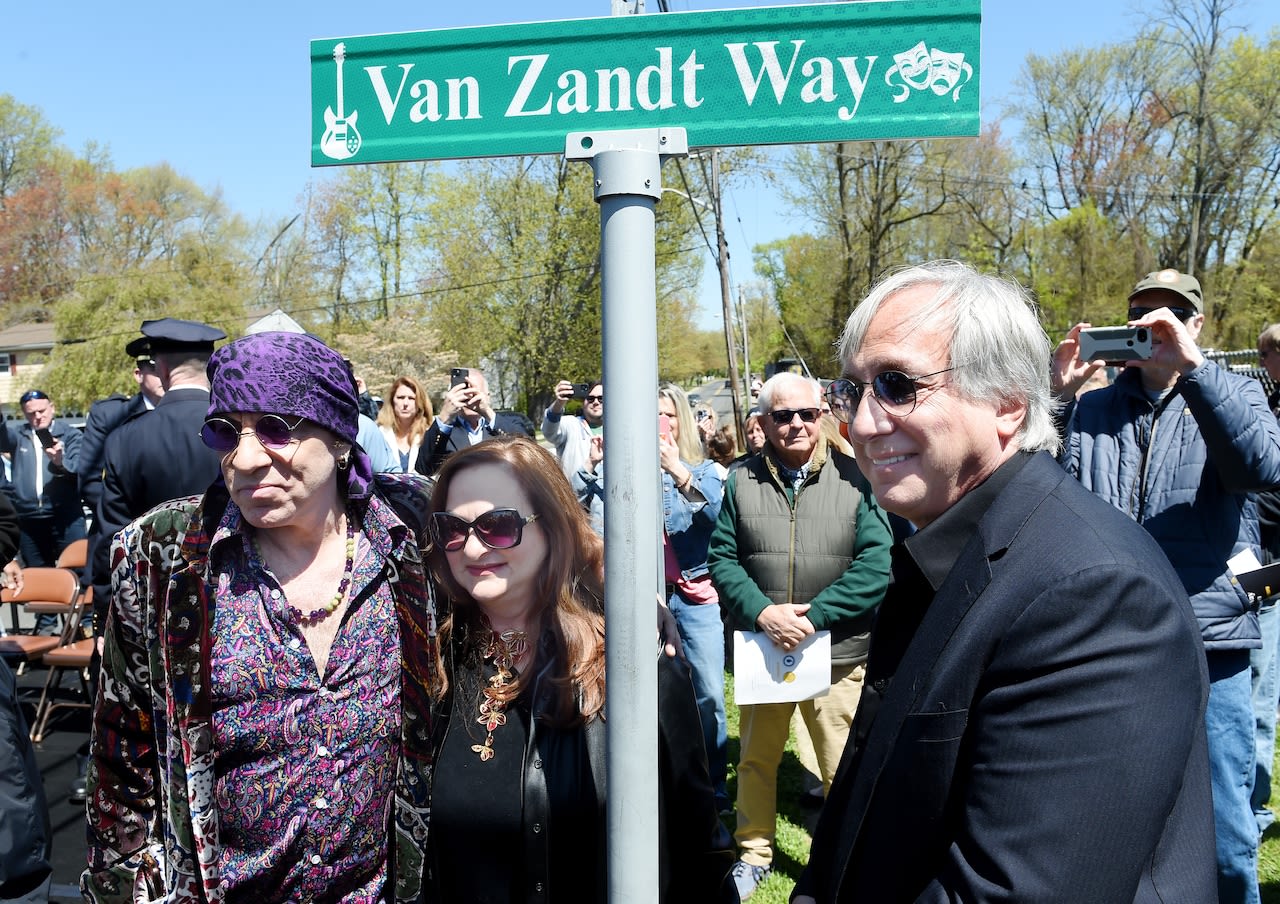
(764, 673)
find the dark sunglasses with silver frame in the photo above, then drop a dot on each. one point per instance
(894, 391)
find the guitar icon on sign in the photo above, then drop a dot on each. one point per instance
(341, 140)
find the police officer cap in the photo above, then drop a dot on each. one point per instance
(172, 335)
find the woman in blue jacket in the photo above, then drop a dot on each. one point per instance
(691, 496)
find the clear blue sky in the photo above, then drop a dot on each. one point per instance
(222, 92)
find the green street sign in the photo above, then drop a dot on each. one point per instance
(878, 69)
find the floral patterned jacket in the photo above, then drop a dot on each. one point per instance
(153, 826)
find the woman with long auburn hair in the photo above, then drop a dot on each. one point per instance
(518, 788)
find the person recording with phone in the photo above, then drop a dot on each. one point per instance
(1180, 445)
(43, 486)
(466, 418)
(572, 435)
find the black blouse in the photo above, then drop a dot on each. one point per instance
(476, 805)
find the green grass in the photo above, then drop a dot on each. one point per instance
(792, 851)
(1269, 852)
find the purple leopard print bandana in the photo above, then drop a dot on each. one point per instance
(292, 375)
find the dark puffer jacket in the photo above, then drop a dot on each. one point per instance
(1184, 469)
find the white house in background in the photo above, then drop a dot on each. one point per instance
(24, 348)
(275, 322)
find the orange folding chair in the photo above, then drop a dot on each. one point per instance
(74, 555)
(70, 654)
(48, 591)
(54, 591)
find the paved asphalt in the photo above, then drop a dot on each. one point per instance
(56, 755)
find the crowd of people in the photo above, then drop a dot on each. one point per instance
(348, 661)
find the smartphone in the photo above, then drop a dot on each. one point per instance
(664, 426)
(700, 415)
(458, 375)
(46, 438)
(1115, 344)
(580, 390)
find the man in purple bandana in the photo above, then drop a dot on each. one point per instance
(262, 718)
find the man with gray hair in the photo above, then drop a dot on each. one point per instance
(1032, 719)
(799, 546)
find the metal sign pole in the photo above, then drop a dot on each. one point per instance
(627, 167)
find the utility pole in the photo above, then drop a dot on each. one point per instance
(744, 319)
(726, 305)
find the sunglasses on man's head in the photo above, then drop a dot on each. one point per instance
(497, 529)
(30, 396)
(1183, 314)
(892, 389)
(274, 432)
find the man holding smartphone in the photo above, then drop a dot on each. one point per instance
(1180, 444)
(466, 417)
(572, 435)
(43, 487)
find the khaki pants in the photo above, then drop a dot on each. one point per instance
(763, 733)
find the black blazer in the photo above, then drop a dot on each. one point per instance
(438, 445)
(105, 415)
(151, 459)
(1043, 737)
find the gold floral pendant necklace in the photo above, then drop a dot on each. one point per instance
(505, 650)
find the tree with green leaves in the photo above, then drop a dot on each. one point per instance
(516, 261)
(27, 145)
(146, 244)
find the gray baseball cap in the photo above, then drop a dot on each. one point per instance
(1180, 283)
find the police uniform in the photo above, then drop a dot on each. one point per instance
(159, 455)
(105, 415)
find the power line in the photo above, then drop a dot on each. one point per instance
(398, 297)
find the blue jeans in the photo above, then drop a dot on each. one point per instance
(1230, 726)
(703, 637)
(1264, 670)
(41, 541)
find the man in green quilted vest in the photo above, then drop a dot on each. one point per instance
(800, 546)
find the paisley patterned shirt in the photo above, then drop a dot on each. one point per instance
(154, 825)
(304, 763)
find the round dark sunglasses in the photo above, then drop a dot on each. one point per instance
(895, 392)
(273, 431)
(497, 529)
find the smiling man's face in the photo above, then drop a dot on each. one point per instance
(920, 464)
